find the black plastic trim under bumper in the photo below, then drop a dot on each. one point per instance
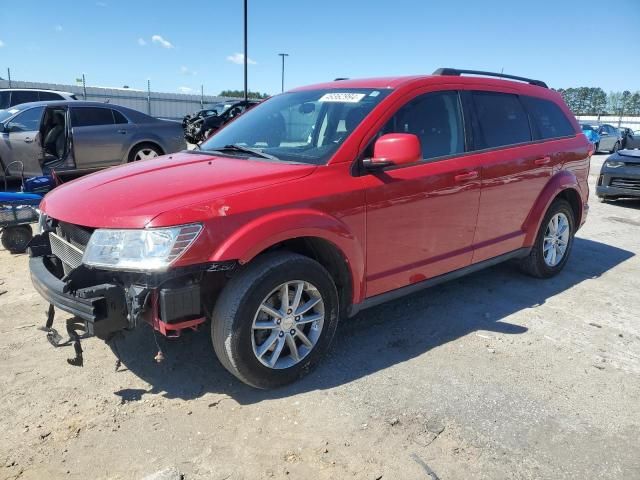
(52, 290)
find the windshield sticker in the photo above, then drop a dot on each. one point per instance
(14, 110)
(342, 97)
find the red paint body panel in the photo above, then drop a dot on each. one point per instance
(393, 228)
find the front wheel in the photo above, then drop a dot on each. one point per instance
(275, 319)
(553, 243)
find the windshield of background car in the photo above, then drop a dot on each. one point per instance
(306, 126)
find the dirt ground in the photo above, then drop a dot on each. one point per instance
(496, 375)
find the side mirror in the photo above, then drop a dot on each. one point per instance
(394, 149)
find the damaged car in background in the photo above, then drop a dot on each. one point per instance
(201, 125)
(77, 136)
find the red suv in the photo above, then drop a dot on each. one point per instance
(314, 205)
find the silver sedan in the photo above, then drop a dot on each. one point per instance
(78, 136)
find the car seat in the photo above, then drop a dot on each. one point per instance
(54, 141)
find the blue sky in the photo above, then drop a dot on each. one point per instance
(181, 45)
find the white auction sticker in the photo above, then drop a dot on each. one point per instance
(342, 97)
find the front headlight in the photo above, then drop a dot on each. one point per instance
(151, 249)
(614, 163)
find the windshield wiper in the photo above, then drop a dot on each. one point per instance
(251, 151)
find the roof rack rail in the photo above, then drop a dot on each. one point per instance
(340, 78)
(458, 72)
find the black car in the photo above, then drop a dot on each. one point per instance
(205, 123)
(620, 176)
(630, 139)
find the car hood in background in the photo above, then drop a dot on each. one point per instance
(130, 196)
(628, 156)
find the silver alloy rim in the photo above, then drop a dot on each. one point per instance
(556, 239)
(288, 324)
(145, 154)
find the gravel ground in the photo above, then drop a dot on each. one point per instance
(496, 375)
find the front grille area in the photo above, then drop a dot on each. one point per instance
(68, 243)
(628, 183)
(69, 255)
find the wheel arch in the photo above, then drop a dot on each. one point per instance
(563, 185)
(314, 234)
(139, 142)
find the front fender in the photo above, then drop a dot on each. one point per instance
(268, 230)
(561, 181)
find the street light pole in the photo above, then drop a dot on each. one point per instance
(246, 92)
(283, 55)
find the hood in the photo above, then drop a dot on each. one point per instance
(627, 156)
(130, 196)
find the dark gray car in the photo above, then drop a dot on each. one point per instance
(78, 136)
(620, 176)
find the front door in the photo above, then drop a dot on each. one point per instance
(421, 218)
(21, 143)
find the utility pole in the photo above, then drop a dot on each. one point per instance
(84, 87)
(283, 55)
(9, 76)
(201, 97)
(148, 97)
(246, 58)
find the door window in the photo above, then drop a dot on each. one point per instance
(27, 121)
(436, 120)
(502, 120)
(18, 97)
(91, 116)
(549, 121)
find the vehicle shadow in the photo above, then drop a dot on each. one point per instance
(376, 338)
(633, 203)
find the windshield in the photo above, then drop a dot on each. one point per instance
(4, 114)
(306, 126)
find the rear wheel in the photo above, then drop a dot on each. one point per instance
(595, 148)
(275, 319)
(16, 239)
(144, 151)
(553, 243)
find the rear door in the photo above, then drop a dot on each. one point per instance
(95, 137)
(514, 170)
(21, 142)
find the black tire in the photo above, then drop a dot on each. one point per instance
(534, 264)
(144, 147)
(235, 308)
(16, 239)
(595, 148)
(616, 147)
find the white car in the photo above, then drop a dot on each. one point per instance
(10, 97)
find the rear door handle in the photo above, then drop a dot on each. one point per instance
(463, 177)
(28, 140)
(542, 161)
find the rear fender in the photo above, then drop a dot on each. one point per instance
(268, 230)
(561, 181)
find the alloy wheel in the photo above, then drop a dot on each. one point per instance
(145, 154)
(288, 324)
(556, 239)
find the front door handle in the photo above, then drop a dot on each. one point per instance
(28, 140)
(463, 177)
(122, 131)
(542, 161)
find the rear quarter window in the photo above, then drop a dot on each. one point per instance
(45, 96)
(549, 121)
(501, 120)
(19, 97)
